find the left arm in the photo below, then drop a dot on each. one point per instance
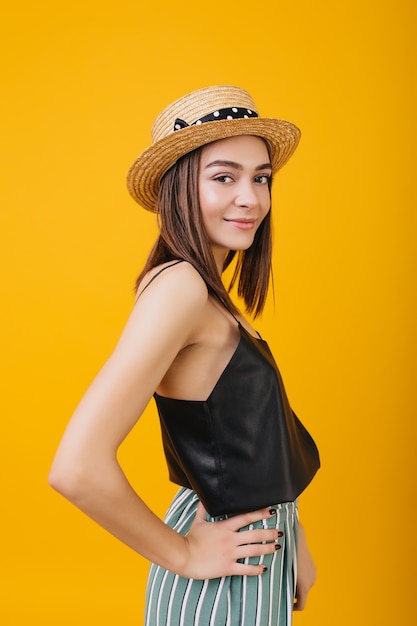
(306, 571)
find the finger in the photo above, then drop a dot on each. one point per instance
(244, 519)
(241, 569)
(256, 549)
(259, 535)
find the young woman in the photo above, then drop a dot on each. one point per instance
(230, 551)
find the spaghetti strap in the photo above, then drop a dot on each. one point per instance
(242, 328)
(238, 322)
(156, 275)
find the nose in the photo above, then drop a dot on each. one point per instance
(246, 196)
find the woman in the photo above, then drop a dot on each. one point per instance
(226, 553)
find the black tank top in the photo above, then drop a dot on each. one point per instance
(243, 448)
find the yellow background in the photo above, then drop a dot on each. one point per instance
(81, 84)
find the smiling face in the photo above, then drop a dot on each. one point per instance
(234, 191)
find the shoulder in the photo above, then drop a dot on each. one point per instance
(174, 282)
(167, 312)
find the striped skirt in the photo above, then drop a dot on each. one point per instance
(265, 600)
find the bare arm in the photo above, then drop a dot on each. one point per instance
(306, 571)
(86, 470)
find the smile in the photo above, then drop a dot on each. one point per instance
(241, 223)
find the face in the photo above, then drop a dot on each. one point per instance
(234, 191)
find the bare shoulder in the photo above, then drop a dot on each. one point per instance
(177, 283)
(166, 315)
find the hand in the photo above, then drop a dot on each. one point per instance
(306, 572)
(213, 548)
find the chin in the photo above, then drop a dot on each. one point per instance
(242, 245)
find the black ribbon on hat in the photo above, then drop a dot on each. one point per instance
(231, 113)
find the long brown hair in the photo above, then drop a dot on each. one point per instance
(183, 236)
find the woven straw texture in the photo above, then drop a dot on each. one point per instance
(168, 145)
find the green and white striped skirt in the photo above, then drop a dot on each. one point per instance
(265, 600)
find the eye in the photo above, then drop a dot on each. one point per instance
(224, 178)
(263, 179)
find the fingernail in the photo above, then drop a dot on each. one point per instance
(265, 569)
(272, 511)
(277, 546)
(280, 533)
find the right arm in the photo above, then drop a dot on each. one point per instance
(86, 470)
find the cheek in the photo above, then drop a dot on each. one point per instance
(210, 203)
(266, 204)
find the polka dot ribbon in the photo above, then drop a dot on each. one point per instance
(232, 113)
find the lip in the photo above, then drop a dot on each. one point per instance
(243, 224)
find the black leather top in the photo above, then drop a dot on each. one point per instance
(243, 448)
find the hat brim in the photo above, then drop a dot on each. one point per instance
(145, 173)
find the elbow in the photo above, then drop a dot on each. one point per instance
(56, 480)
(78, 478)
(66, 481)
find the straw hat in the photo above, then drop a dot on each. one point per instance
(199, 118)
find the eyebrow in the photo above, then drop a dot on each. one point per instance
(237, 166)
